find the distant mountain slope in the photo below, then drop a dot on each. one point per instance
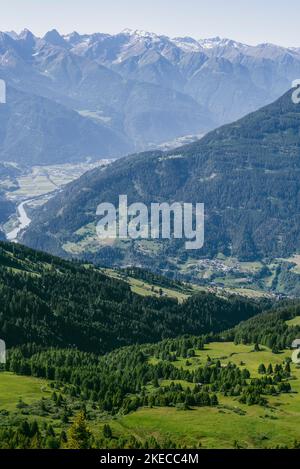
(6, 208)
(247, 174)
(52, 302)
(35, 130)
(141, 112)
(226, 77)
(146, 87)
(8, 170)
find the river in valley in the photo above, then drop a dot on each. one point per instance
(23, 222)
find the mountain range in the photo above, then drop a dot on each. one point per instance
(247, 174)
(132, 91)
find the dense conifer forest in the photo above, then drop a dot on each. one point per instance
(52, 302)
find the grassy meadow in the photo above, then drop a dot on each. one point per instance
(229, 425)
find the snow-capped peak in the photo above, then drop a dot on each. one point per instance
(26, 34)
(139, 33)
(217, 41)
(186, 43)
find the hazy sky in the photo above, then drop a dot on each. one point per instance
(250, 21)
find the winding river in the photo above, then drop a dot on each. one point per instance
(23, 222)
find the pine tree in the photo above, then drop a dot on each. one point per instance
(107, 432)
(79, 435)
(262, 369)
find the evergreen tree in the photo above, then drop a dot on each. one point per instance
(107, 432)
(79, 435)
(262, 369)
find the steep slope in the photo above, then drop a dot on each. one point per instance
(51, 302)
(246, 173)
(35, 130)
(6, 209)
(271, 328)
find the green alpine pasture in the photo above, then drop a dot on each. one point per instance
(231, 424)
(294, 322)
(13, 388)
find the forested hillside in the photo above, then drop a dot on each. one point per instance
(270, 328)
(52, 302)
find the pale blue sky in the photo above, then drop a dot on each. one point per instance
(250, 21)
